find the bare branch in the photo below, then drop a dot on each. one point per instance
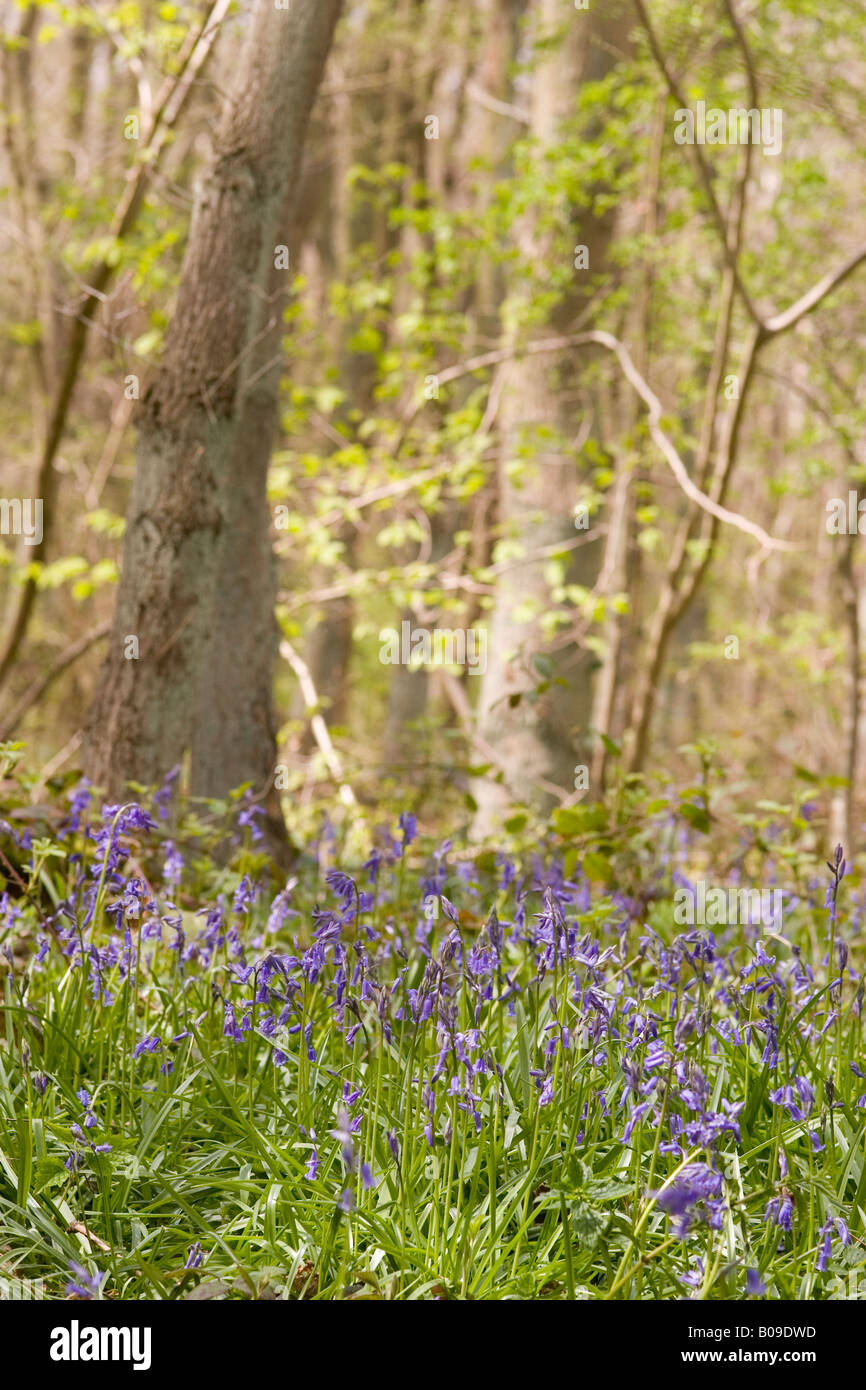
(751, 74)
(701, 166)
(491, 103)
(664, 443)
(317, 723)
(780, 323)
(35, 691)
(647, 395)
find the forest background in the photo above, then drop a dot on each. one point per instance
(441, 327)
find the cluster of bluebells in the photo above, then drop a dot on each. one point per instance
(629, 1024)
(696, 1191)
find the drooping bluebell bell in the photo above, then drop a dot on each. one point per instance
(780, 1210)
(833, 1224)
(194, 1256)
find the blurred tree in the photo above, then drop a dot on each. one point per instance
(536, 694)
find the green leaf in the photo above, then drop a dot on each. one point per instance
(696, 817)
(567, 820)
(596, 866)
(588, 1224)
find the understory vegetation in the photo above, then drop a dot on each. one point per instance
(434, 1071)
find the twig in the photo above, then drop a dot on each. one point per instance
(460, 704)
(79, 1228)
(317, 723)
(499, 108)
(703, 171)
(35, 691)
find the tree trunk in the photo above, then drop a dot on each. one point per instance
(197, 586)
(539, 739)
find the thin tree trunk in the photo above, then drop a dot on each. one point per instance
(851, 722)
(617, 561)
(170, 103)
(539, 737)
(197, 586)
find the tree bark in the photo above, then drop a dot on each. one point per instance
(197, 586)
(171, 101)
(539, 739)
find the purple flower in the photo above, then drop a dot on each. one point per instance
(780, 1211)
(244, 895)
(755, 1284)
(342, 885)
(85, 1285)
(344, 1131)
(697, 1183)
(173, 866)
(194, 1256)
(450, 911)
(833, 1223)
(408, 823)
(230, 1025)
(162, 797)
(694, 1277)
(247, 819)
(797, 1097)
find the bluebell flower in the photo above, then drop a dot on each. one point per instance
(780, 1211)
(408, 823)
(194, 1256)
(755, 1285)
(85, 1285)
